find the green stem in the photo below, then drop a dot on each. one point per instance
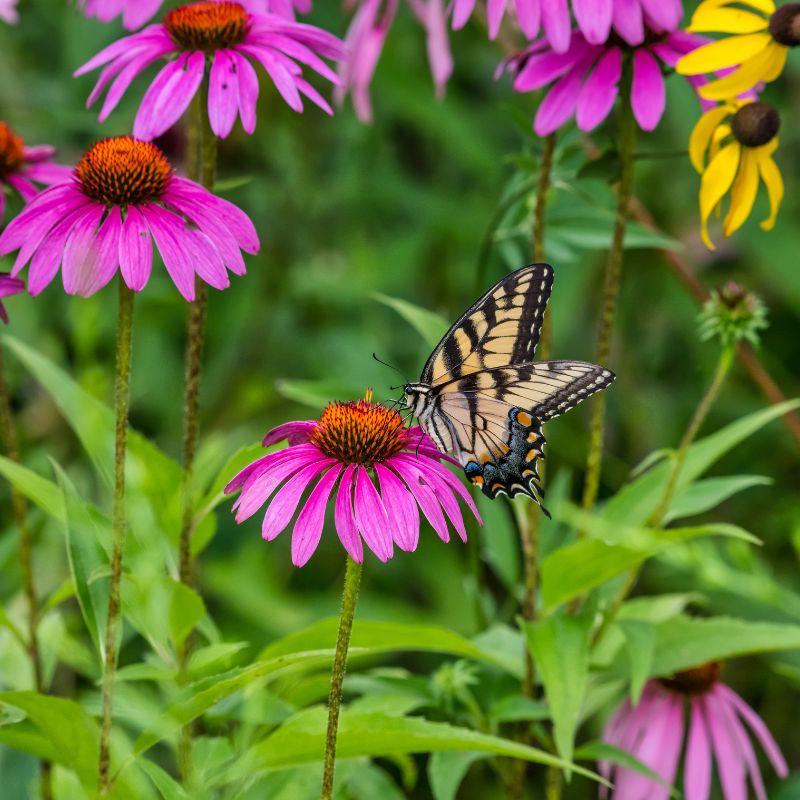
(20, 509)
(202, 166)
(122, 400)
(352, 579)
(613, 275)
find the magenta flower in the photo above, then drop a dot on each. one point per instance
(8, 286)
(123, 192)
(595, 18)
(227, 37)
(21, 167)
(136, 12)
(353, 445)
(366, 37)
(8, 11)
(586, 79)
(720, 728)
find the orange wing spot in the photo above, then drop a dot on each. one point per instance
(532, 437)
(477, 480)
(527, 473)
(524, 419)
(486, 458)
(496, 487)
(530, 456)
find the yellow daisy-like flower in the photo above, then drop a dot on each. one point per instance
(732, 147)
(756, 50)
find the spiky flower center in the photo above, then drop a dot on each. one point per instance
(755, 124)
(123, 171)
(360, 432)
(11, 151)
(207, 26)
(697, 680)
(784, 25)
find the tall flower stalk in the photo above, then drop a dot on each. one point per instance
(20, 509)
(611, 284)
(121, 404)
(352, 581)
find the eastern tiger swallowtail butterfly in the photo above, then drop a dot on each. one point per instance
(483, 398)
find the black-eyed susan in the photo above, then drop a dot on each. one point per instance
(732, 147)
(755, 51)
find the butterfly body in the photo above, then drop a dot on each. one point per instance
(483, 398)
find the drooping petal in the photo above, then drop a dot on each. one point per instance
(765, 65)
(165, 226)
(344, 518)
(702, 133)
(648, 93)
(294, 432)
(370, 516)
(722, 53)
(308, 528)
(664, 14)
(79, 254)
(462, 11)
(248, 92)
(729, 762)
(598, 94)
(773, 180)
(529, 17)
(717, 179)
(283, 506)
(48, 256)
(743, 192)
(135, 250)
(556, 24)
(438, 44)
(104, 253)
(697, 770)
(628, 21)
(400, 509)
(559, 105)
(709, 18)
(495, 10)
(223, 94)
(424, 496)
(594, 19)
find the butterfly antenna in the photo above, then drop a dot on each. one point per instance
(387, 364)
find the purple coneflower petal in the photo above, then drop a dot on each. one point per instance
(49, 254)
(648, 94)
(308, 528)
(294, 432)
(79, 250)
(400, 508)
(25, 188)
(208, 262)
(248, 92)
(741, 741)
(556, 24)
(529, 16)
(599, 91)
(135, 250)
(261, 467)
(495, 10)
(438, 44)
(430, 464)
(424, 496)
(594, 19)
(281, 510)
(462, 11)
(48, 173)
(697, 770)
(39, 152)
(36, 219)
(102, 266)
(666, 14)
(344, 518)
(370, 516)
(539, 70)
(559, 104)
(278, 72)
(166, 228)
(125, 77)
(223, 94)
(729, 761)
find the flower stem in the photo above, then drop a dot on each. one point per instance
(613, 275)
(202, 166)
(122, 400)
(352, 579)
(20, 509)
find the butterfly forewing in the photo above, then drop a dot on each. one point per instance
(501, 328)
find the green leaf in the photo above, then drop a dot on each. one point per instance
(685, 642)
(44, 494)
(301, 740)
(84, 529)
(428, 324)
(602, 751)
(560, 647)
(640, 639)
(377, 637)
(446, 771)
(238, 461)
(517, 708)
(636, 502)
(579, 567)
(167, 786)
(186, 609)
(702, 496)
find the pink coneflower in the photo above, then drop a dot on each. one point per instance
(8, 287)
(122, 192)
(354, 444)
(586, 79)
(224, 37)
(595, 18)
(720, 727)
(8, 11)
(136, 12)
(21, 166)
(366, 37)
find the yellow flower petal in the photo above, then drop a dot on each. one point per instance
(717, 179)
(743, 193)
(767, 6)
(726, 20)
(761, 67)
(773, 180)
(702, 133)
(724, 53)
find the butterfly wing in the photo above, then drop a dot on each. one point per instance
(501, 328)
(494, 418)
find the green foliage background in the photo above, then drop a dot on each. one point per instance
(402, 208)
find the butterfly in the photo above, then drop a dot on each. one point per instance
(483, 398)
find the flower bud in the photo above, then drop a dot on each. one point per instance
(733, 315)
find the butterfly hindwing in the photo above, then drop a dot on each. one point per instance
(502, 327)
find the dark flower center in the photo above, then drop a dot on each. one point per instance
(360, 432)
(123, 171)
(755, 124)
(784, 25)
(697, 680)
(11, 151)
(207, 26)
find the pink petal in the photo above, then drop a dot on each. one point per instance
(594, 19)
(260, 466)
(343, 516)
(223, 94)
(105, 253)
(665, 14)
(438, 44)
(47, 258)
(648, 94)
(248, 92)
(462, 11)
(294, 432)
(281, 510)
(370, 516)
(283, 79)
(559, 104)
(166, 227)
(528, 16)
(598, 94)
(400, 508)
(207, 261)
(628, 21)
(424, 496)
(121, 83)
(539, 70)
(79, 252)
(25, 188)
(556, 24)
(135, 250)
(729, 763)
(495, 10)
(697, 770)
(308, 528)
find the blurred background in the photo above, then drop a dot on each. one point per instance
(408, 207)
